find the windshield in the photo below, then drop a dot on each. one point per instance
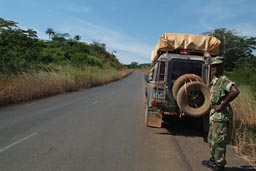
(179, 67)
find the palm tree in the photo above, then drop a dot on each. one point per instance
(7, 23)
(31, 33)
(50, 32)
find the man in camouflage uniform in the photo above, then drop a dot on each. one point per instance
(223, 91)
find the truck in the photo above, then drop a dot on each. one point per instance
(179, 78)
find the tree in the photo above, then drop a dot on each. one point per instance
(31, 33)
(77, 37)
(60, 37)
(19, 50)
(234, 48)
(22, 51)
(7, 23)
(50, 32)
(133, 65)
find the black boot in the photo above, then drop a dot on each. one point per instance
(209, 163)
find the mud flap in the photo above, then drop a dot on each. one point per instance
(153, 119)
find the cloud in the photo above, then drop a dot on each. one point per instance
(81, 9)
(75, 8)
(128, 48)
(216, 14)
(219, 13)
(246, 29)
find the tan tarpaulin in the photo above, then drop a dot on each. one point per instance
(173, 41)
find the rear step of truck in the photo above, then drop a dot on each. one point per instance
(154, 119)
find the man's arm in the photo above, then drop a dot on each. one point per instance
(233, 93)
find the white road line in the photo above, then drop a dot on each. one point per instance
(95, 102)
(30, 104)
(17, 142)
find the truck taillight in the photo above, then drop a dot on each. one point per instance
(153, 102)
(184, 52)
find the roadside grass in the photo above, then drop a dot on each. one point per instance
(244, 124)
(32, 85)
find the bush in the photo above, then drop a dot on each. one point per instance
(244, 74)
(80, 59)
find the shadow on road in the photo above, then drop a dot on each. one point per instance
(245, 168)
(190, 127)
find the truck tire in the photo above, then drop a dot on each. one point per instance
(182, 80)
(193, 99)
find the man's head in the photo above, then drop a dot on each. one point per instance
(217, 65)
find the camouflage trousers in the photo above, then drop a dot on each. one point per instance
(217, 139)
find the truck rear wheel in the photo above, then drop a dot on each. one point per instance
(146, 115)
(182, 80)
(193, 99)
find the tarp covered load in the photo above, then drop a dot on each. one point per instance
(174, 41)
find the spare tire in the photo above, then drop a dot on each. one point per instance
(193, 99)
(182, 80)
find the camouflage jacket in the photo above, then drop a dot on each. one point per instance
(219, 88)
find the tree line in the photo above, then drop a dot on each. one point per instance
(239, 56)
(22, 51)
(235, 49)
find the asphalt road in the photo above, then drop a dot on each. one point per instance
(99, 129)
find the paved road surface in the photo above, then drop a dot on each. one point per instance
(99, 129)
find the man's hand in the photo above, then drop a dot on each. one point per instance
(218, 108)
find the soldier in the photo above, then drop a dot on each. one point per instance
(223, 91)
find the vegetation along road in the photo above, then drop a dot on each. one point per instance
(100, 128)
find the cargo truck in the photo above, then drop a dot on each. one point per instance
(178, 82)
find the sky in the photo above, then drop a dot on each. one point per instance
(130, 27)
